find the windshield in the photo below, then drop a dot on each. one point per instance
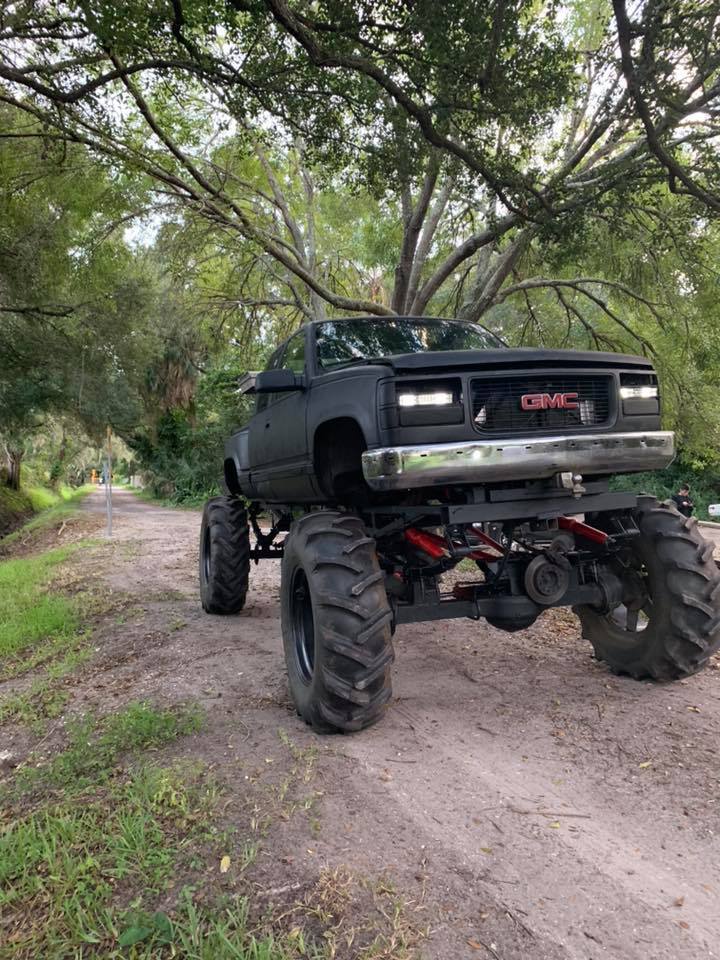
(346, 341)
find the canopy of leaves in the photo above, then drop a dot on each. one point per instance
(184, 182)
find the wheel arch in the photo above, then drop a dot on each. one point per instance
(231, 477)
(337, 446)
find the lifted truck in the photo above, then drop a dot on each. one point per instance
(386, 451)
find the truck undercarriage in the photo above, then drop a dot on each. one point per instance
(414, 469)
(525, 555)
(639, 576)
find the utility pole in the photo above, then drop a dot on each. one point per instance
(108, 483)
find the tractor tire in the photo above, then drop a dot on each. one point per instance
(512, 626)
(680, 584)
(335, 623)
(224, 556)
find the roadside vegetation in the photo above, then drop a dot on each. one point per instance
(49, 509)
(703, 480)
(117, 840)
(19, 506)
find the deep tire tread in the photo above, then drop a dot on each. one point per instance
(350, 683)
(225, 521)
(684, 631)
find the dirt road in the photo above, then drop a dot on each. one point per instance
(529, 803)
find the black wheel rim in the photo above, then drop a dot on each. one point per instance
(303, 626)
(205, 555)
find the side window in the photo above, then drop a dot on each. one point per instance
(294, 358)
(263, 399)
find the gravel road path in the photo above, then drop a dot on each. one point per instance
(535, 805)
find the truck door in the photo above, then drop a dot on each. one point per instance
(278, 436)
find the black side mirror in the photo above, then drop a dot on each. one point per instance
(278, 381)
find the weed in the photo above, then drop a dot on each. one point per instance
(28, 613)
(54, 508)
(301, 772)
(357, 917)
(44, 699)
(78, 873)
(95, 746)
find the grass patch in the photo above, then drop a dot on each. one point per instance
(43, 498)
(95, 872)
(45, 697)
(130, 859)
(77, 878)
(189, 503)
(15, 507)
(54, 508)
(28, 612)
(95, 747)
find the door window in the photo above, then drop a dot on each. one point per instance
(294, 358)
(265, 399)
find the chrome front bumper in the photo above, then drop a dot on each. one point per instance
(488, 461)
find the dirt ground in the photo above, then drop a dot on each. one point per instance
(523, 800)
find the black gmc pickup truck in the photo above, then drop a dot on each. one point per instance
(386, 451)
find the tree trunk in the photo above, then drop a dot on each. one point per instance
(56, 471)
(492, 274)
(14, 459)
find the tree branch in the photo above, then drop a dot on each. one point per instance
(675, 169)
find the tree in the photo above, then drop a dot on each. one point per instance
(538, 136)
(72, 295)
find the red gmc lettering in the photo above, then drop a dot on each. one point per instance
(549, 401)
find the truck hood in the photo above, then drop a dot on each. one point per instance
(515, 358)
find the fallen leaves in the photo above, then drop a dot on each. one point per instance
(645, 764)
(224, 864)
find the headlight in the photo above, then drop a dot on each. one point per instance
(638, 393)
(438, 399)
(426, 402)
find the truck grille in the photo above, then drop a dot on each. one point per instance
(497, 403)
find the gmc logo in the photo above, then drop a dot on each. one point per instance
(549, 401)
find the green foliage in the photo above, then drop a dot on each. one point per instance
(95, 746)
(60, 506)
(181, 455)
(15, 506)
(66, 296)
(29, 614)
(139, 274)
(703, 480)
(86, 869)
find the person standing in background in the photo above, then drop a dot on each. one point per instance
(682, 500)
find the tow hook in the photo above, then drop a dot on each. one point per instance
(573, 483)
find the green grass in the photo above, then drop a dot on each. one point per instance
(191, 503)
(53, 509)
(95, 746)
(704, 485)
(45, 698)
(14, 507)
(30, 614)
(86, 874)
(43, 498)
